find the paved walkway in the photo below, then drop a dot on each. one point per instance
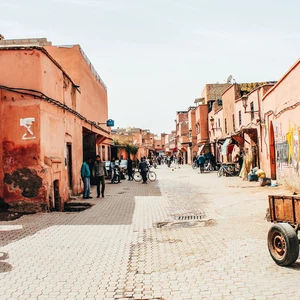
(185, 236)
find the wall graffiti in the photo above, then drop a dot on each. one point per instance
(287, 146)
(27, 123)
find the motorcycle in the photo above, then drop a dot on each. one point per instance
(116, 175)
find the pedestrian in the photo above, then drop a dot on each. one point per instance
(86, 178)
(246, 166)
(99, 172)
(129, 168)
(143, 168)
(201, 161)
(213, 161)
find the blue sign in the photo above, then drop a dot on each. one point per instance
(110, 123)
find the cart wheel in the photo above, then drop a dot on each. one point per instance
(283, 244)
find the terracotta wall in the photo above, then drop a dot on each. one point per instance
(201, 119)
(280, 111)
(42, 157)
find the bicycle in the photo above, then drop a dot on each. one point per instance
(195, 165)
(137, 176)
(227, 170)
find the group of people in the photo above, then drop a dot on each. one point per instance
(201, 159)
(99, 172)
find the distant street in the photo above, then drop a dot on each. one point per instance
(185, 236)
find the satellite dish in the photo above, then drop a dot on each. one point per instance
(229, 79)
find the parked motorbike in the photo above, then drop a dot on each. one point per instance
(116, 175)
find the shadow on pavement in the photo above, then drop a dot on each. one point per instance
(116, 208)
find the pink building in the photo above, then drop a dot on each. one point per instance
(280, 110)
(52, 113)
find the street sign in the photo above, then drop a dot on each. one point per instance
(110, 123)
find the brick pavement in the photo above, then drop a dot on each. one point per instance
(130, 245)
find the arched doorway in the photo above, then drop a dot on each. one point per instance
(272, 152)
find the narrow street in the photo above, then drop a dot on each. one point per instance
(185, 236)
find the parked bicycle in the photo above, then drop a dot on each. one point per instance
(228, 170)
(137, 176)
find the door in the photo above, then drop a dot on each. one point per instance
(69, 164)
(272, 152)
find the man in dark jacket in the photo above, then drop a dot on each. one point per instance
(143, 168)
(99, 172)
(129, 168)
(201, 161)
(86, 178)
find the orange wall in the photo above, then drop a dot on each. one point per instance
(280, 107)
(228, 99)
(72, 60)
(201, 118)
(53, 127)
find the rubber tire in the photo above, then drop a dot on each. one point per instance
(194, 166)
(137, 176)
(151, 176)
(116, 179)
(291, 243)
(220, 172)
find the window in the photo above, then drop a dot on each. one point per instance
(225, 125)
(240, 118)
(233, 121)
(252, 110)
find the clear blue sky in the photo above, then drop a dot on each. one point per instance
(155, 56)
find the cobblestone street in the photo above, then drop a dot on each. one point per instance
(185, 236)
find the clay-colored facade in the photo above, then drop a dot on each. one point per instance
(280, 110)
(49, 125)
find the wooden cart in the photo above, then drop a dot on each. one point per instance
(283, 243)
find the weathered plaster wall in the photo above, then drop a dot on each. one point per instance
(281, 107)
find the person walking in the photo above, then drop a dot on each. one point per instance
(201, 161)
(143, 168)
(99, 172)
(129, 168)
(86, 178)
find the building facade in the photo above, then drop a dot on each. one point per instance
(50, 123)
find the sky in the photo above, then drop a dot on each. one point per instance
(155, 56)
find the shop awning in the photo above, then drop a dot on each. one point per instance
(200, 149)
(240, 140)
(225, 145)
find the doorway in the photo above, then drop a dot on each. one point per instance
(272, 152)
(57, 198)
(69, 164)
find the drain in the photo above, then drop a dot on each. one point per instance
(189, 217)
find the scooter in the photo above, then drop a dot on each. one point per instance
(116, 176)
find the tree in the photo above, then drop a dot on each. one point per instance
(128, 149)
(134, 150)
